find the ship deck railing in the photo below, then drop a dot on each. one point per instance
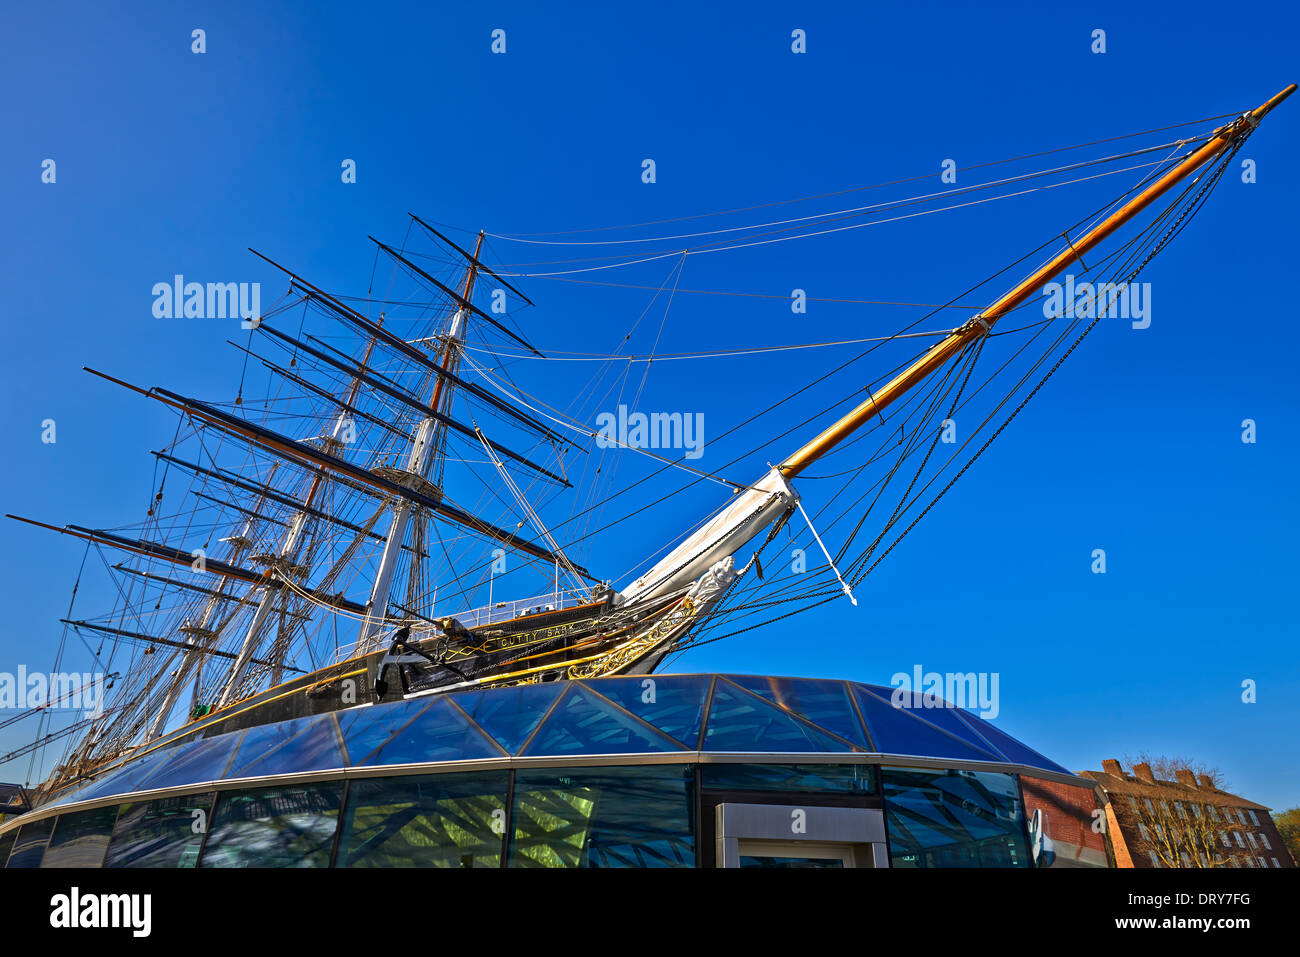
(500, 611)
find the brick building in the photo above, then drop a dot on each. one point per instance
(1187, 822)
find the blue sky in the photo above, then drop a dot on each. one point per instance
(168, 162)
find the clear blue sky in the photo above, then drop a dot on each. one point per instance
(172, 162)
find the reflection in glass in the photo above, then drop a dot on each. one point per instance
(791, 862)
(304, 744)
(905, 730)
(291, 826)
(842, 778)
(163, 833)
(672, 703)
(604, 817)
(6, 845)
(438, 820)
(824, 703)
(954, 819)
(205, 760)
(740, 721)
(583, 723)
(439, 733)
(80, 839)
(29, 846)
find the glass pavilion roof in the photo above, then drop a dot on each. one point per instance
(618, 715)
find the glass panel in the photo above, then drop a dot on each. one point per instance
(365, 729)
(1013, 749)
(841, 778)
(29, 846)
(438, 820)
(585, 724)
(510, 714)
(791, 862)
(205, 760)
(125, 778)
(6, 845)
(954, 819)
(740, 721)
(824, 703)
(674, 705)
(304, 744)
(439, 733)
(898, 731)
(945, 718)
(162, 833)
(290, 826)
(604, 817)
(80, 839)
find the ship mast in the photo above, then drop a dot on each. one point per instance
(772, 498)
(980, 325)
(427, 446)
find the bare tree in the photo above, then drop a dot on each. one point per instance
(1166, 768)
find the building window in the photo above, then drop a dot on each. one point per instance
(290, 826)
(1133, 804)
(1267, 845)
(1237, 835)
(1251, 837)
(1253, 820)
(1227, 841)
(81, 839)
(1186, 858)
(1275, 862)
(1262, 863)
(160, 833)
(846, 778)
(29, 845)
(1142, 829)
(604, 817)
(954, 819)
(1182, 811)
(1214, 815)
(436, 820)
(1150, 807)
(1155, 861)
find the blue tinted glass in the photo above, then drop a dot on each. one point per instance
(365, 729)
(824, 703)
(435, 820)
(439, 733)
(6, 845)
(847, 778)
(291, 826)
(510, 714)
(937, 712)
(604, 817)
(1013, 749)
(204, 760)
(899, 731)
(673, 704)
(740, 721)
(125, 778)
(29, 846)
(80, 839)
(305, 744)
(585, 724)
(160, 833)
(954, 819)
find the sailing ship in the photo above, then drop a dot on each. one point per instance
(328, 584)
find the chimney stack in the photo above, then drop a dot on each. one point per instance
(1185, 777)
(1111, 766)
(1143, 773)
(1206, 783)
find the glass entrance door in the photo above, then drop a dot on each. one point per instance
(794, 855)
